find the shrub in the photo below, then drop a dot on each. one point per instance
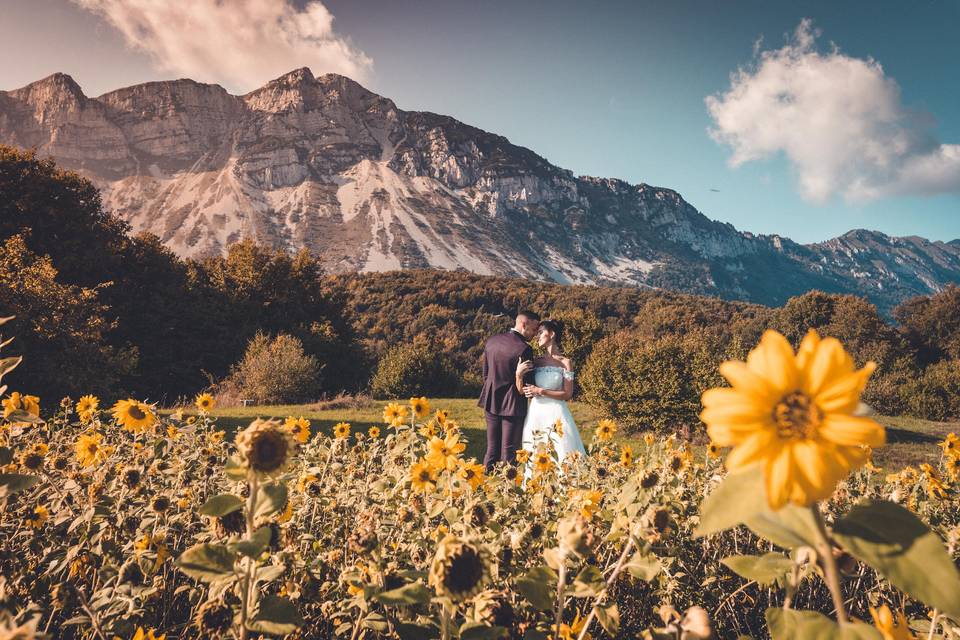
(936, 394)
(276, 371)
(414, 369)
(649, 383)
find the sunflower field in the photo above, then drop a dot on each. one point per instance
(122, 522)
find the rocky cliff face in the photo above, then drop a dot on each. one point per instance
(323, 163)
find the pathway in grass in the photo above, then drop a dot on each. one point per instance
(910, 440)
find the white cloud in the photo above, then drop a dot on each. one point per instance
(237, 43)
(839, 120)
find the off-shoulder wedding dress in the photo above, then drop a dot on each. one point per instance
(539, 428)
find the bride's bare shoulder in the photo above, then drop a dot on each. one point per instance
(566, 362)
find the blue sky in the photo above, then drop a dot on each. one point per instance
(614, 89)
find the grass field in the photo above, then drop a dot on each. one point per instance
(910, 441)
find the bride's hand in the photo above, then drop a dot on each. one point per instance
(530, 391)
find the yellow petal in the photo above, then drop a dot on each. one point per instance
(842, 394)
(808, 346)
(758, 446)
(778, 477)
(827, 363)
(852, 430)
(773, 360)
(746, 380)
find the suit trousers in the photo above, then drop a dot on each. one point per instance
(504, 434)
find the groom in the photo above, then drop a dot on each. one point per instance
(504, 405)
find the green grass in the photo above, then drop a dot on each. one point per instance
(910, 440)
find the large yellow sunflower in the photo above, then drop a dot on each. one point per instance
(341, 429)
(423, 478)
(420, 407)
(445, 453)
(90, 450)
(204, 402)
(471, 473)
(299, 428)
(133, 415)
(395, 414)
(542, 461)
(86, 407)
(605, 430)
(794, 414)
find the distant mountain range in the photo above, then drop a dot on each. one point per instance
(323, 163)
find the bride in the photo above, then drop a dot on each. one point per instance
(549, 423)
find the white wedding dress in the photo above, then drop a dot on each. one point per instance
(539, 428)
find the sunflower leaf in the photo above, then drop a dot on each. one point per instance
(413, 593)
(478, 631)
(220, 505)
(207, 562)
(896, 543)
(271, 498)
(538, 586)
(609, 618)
(254, 546)
(789, 624)
(765, 570)
(14, 482)
(276, 616)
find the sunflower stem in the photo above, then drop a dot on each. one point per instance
(627, 548)
(445, 621)
(249, 568)
(561, 584)
(830, 570)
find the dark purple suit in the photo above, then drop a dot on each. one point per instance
(504, 405)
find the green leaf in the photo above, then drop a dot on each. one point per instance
(766, 569)
(478, 631)
(271, 498)
(207, 562)
(277, 616)
(609, 618)
(588, 583)
(742, 499)
(538, 587)
(790, 624)
(221, 505)
(376, 622)
(896, 543)
(411, 631)
(14, 482)
(23, 416)
(413, 593)
(235, 470)
(643, 566)
(253, 547)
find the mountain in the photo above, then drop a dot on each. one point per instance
(322, 163)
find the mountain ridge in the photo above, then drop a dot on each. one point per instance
(322, 163)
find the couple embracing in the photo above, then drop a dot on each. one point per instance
(525, 398)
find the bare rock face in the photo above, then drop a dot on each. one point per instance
(325, 164)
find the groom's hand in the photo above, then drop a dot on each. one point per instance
(523, 367)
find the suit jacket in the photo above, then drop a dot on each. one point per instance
(501, 354)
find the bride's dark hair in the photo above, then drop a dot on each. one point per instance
(556, 329)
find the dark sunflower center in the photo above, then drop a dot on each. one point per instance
(136, 413)
(466, 571)
(796, 416)
(424, 476)
(269, 452)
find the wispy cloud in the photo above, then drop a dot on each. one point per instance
(240, 43)
(838, 119)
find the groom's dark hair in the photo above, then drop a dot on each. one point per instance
(529, 315)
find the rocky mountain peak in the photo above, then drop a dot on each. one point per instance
(321, 162)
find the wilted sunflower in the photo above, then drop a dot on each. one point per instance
(589, 501)
(214, 617)
(445, 452)
(266, 447)
(86, 407)
(299, 427)
(471, 472)
(423, 478)
(395, 414)
(33, 458)
(341, 430)
(460, 568)
(204, 402)
(441, 416)
(373, 432)
(522, 456)
(36, 516)
(605, 430)
(420, 407)
(794, 414)
(133, 415)
(131, 477)
(542, 461)
(90, 451)
(626, 455)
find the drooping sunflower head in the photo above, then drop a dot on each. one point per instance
(341, 430)
(213, 618)
(605, 429)
(266, 446)
(794, 413)
(420, 407)
(133, 415)
(460, 568)
(204, 402)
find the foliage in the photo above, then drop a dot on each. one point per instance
(935, 395)
(276, 370)
(405, 370)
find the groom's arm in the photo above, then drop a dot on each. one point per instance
(527, 355)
